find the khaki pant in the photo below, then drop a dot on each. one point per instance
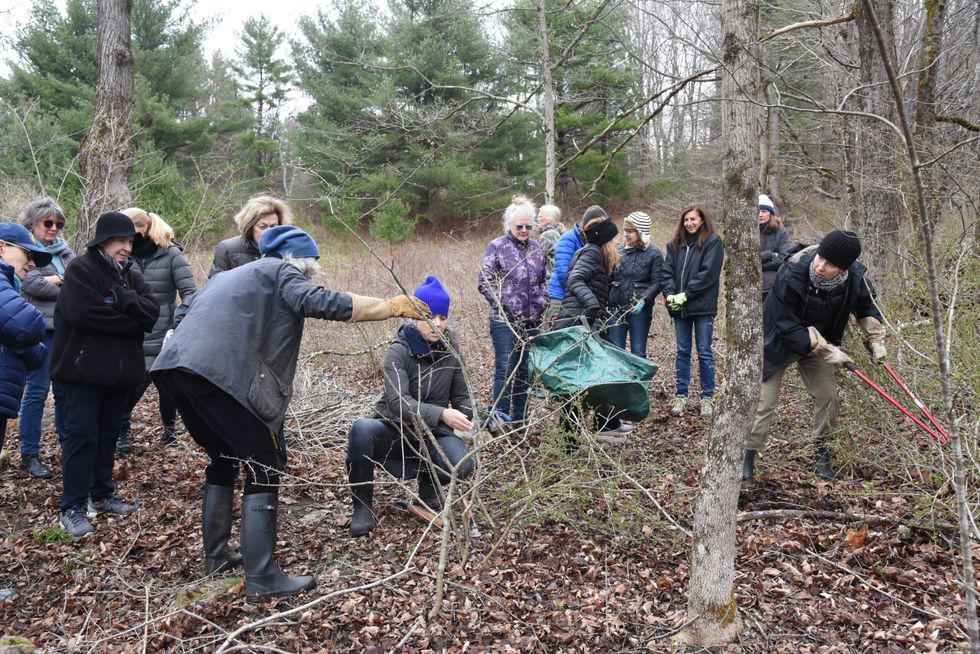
(550, 313)
(820, 378)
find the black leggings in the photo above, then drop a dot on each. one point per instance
(227, 431)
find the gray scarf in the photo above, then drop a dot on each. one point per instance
(822, 284)
(115, 264)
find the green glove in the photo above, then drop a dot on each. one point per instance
(639, 306)
(675, 302)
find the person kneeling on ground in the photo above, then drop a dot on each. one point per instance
(805, 316)
(423, 383)
(229, 368)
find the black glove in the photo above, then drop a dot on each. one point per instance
(127, 300)
(768, 256)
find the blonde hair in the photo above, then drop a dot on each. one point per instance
(157, 229)
(610, 255)
(258, 206)
(519, 205)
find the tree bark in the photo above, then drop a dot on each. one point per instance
(712, 611)
(548, 98)
(105, 159)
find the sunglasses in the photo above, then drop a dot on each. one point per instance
(48, 224)
(523, 227)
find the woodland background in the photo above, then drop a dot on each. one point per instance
(399, 131)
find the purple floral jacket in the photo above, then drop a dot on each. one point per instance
(512, 280)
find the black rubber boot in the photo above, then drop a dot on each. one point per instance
(429, 492)
(361, 477)
(216, 527)
(748, 466)
(263, 577)
(821, 463)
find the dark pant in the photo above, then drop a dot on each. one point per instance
(227, 431)
(168, 410)
(91, 416)
(377, 441)
(510, 366)
(636, 325)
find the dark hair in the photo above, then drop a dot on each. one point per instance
(707, 229)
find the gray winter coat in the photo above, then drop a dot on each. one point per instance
(421, 380)
(42, 294)
(167, 273)
(773, 247)
(233, 252)
(242, 330)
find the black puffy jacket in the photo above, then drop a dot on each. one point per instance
(586, 289)
(637, 278)
(696, 272)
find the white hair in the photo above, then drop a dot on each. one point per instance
(306, 265)
(520, 205)
(550, 210)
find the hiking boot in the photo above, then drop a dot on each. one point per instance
(169, 435)
(111, 505)
(32, 464)
(707, 407)
(680, 403)
(123, 443)
(748, 466)
(73, 521)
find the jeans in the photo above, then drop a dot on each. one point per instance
(510, 366)
(32, 405)
(92, 415)
(702, 327)
(637, 325)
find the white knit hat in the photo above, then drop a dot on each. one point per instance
(641, 222)
(767, 204)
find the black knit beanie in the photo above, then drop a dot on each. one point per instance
(840, 248)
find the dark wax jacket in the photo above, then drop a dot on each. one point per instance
(586, 289)
(637, 278)
(696, 272)
(232, 253)
(795, 304)
(21, 333)
(774, 248)
(242, 331)
(421, 380)
(100, 320)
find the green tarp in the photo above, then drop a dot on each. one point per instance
(574, 361)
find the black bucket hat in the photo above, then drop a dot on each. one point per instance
(111, 225)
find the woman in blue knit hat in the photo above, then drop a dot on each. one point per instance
(425, 399)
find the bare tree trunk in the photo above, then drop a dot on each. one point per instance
(712, 611)
(878, 215)
(105, 160)
(769, 141)
(942, 351)
(548, 97)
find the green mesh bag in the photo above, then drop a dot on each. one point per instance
(574, 361)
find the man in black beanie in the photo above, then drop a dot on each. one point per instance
(805, 316)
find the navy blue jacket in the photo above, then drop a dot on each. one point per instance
(637, 278)
(21, 333)
(696, 272)
(794, 304)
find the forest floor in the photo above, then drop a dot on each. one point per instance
(566, 553)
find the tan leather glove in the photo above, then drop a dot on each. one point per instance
(829, 353)
(365, 308)
(876, 336)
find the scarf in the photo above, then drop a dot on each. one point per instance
(55, 250)
(419, 347)
(826, 285)
(118, 267)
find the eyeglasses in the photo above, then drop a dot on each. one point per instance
(30, 255)
(524, 227)
(48, 224)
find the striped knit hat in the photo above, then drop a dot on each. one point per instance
(641, 223)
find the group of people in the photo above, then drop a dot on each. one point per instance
(105, 324)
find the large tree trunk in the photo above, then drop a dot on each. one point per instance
(106, 157)
(548, 98)
(711, 607)
(878, 214)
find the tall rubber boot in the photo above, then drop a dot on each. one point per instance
(748, 466)
(429, 491)
(821, 463)
(216, 528)
(263, 576)
(361, 478)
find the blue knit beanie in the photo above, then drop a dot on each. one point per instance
(281, 240)
(434, 295)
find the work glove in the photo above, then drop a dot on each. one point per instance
(876, 337)
(826, 351)
(675, 302)
(364, 308)
(639, 306)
